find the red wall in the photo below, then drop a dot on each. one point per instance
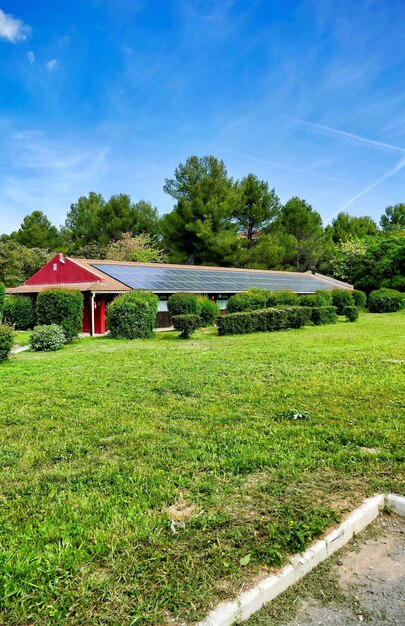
(65, 272)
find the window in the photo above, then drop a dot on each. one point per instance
(55, 267)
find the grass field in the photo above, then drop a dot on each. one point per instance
(100, 439)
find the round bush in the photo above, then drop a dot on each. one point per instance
(2, 298)
(209, 312)
(285, 297)
(319, 298)
(386, 301)
(6, 341)
(397, 282)
(183, 303)
(360, 298)
(19, 311)
(352, 313)
(63, 307)
(187, 324)
(132, 315)
(47, 338)
(341, 299)
(247, 301)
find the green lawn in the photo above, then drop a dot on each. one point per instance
(22, 337)
(99, 439)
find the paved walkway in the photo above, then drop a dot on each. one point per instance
(18, 349)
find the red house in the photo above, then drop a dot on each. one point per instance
(101, 281)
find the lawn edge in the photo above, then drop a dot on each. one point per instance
(251, 601)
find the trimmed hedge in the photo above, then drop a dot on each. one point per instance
(209, 312)
(187, 324)
(247, 301)
(184, 303)
(319, 298)
(352, 313)
(321, 315)
(385, 301)
(360, 298)
(132, 315)
(19, 311)
(6, 341)
(277, 298)
(2, 298)
(47, 338)
(341, 299)
(63, 307)
(265, 320)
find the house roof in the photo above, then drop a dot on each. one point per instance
(121, 276)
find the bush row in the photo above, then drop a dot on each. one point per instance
(272, 319)
(189, 311)
(255, 299)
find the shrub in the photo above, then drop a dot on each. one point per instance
(341, 299)
(360, 298)
(277, 298)
(352, 313)
(385, 301)
(63, 307)
(183, 303)
(187, 324)
(265, 320)
(6, 341)
(325, 298)
(19, 311)
(132, 315)
(209, 312)
(47, 338)
(2, 298)
(247, 301)
(323, 315)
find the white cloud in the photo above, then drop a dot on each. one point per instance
(31, 57)
(12, 29)
(52, 65)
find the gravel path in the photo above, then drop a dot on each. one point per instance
(364, 583)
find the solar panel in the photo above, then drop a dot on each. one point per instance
(172, 279)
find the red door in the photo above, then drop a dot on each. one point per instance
(99, 314)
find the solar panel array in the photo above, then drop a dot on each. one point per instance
(171, 279)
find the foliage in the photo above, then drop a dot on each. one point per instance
(186, 323)
(351, 313)
(385, 301)
(393, 218)
(36, 231)
(142, 248)
(47, 338)
(348, 259)
(346, 227)
(342, 298)
(360, 298)
(199, 229)
(278, 298)
(397, 283)
(2, 299)
(183, 303)
(18, 263)
(63, 307)
(266, 320)
(132, 315)
(257, 205)
(323, 315)
(99, 439)
(6, 341)
(19, 312)
(272, 250)
(209, 312)
(247, 301)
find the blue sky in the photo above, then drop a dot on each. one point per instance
(110, 95)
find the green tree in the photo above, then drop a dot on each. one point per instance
(275, 250)
(299, 219)
(83, 224)
(18, 263)
(199, 229)
(36, 231)
(345, 227)
(146, 219)
(257, 205)
(142, 248)
(348, 260)
(393, 218)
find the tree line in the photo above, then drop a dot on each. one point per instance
(215, 220)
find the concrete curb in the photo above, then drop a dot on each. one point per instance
(251, 601)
